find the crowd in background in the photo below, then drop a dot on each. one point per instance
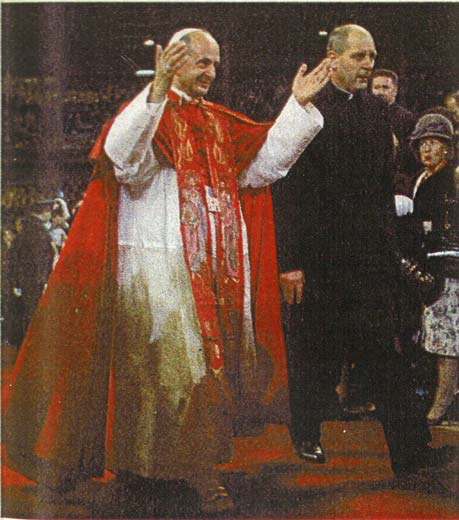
(85, 108)
(35, 227)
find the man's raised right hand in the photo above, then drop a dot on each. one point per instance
(167, 63)
(306, 86)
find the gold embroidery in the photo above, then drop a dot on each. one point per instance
(219, 154)
(189, 154)
(218, 131)
(180, 126)
(179, 156)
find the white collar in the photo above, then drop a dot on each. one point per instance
(350, 94)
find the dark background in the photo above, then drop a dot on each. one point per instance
(80, 46)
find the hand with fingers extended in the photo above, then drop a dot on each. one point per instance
(167, 63)
(307, 85)
(292, 286)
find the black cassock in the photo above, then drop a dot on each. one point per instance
(334, 217)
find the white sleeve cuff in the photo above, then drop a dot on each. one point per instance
(132, 131)
(310, 109)
(294, 129)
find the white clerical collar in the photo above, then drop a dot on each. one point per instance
(350, 95)
(180, 93)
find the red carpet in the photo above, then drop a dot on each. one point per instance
(267, 480)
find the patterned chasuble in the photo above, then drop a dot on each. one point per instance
(201, 143)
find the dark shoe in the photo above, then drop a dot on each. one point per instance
(311, 452)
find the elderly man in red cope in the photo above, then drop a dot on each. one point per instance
(194, 340)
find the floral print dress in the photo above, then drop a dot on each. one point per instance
(441, 322)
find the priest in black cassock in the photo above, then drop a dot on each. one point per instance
(340, 265)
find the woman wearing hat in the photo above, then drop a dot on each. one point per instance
(436, 205)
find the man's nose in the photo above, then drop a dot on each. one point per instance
(211, 71)
(368, 62)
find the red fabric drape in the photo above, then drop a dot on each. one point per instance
(56, 403)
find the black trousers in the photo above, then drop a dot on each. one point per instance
(321, 335)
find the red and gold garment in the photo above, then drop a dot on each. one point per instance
(209, 146)
(57, 401)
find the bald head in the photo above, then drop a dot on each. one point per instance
(338, 40)
(353, 55)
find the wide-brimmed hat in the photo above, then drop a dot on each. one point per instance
(432, 125)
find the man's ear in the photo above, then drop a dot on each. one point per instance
(333, 55)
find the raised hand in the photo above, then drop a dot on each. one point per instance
(306, 86)
(167, 63)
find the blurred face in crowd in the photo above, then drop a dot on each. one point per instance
(384, 87)
(351, 69)
(432, 152)
(198, 74)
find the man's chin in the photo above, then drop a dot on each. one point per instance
(361, 83)
(201, 91)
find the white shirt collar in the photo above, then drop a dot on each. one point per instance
(350, 94)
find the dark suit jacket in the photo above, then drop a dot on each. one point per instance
(430, 205)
